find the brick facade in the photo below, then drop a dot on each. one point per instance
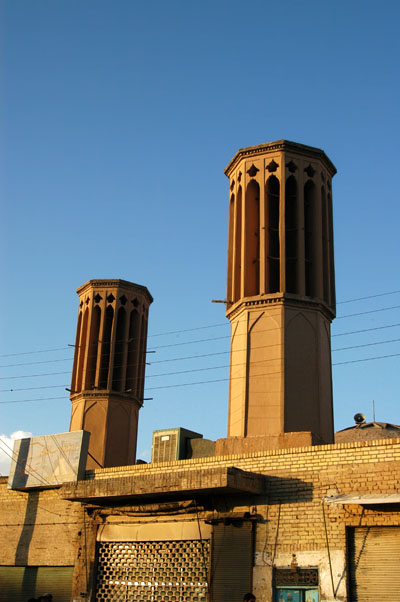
(290, 514)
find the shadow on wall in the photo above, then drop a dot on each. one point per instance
(278, 491)
(25, 538)
(283, 490)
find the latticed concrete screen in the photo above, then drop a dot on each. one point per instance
(164, 571)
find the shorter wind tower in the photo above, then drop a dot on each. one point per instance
(109, 367)
(281, 291)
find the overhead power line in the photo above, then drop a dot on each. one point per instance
(226, 323)
(199, 357)
(371, 311)
(340, 334)
(64, 359)
(177, 385)
(369, 297)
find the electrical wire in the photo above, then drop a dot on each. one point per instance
(210, 354)
(368, 359)
(32, 352)
(369, 297)
(34, 375)
(342, 334)
(65, 359)
(371, 311)
(168, 333)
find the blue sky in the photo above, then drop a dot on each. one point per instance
(117, 121)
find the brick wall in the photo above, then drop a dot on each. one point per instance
(37, 527)
(40, 528)
(298, 481)
(292, 514)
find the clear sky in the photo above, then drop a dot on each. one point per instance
(117, 121)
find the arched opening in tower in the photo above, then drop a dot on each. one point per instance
(118, 369)
(272, 239)
(91, 362)
(252, 246)
(133, 347)
(291, 234)
(230, 292)
(325, 246)
(105, 348)
(237, 270)
(142, 357)
(309, 237)
(76, 355)
(82, 350)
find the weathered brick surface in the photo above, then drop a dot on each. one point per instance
(37, 527)
(298, 481)
(41, 528)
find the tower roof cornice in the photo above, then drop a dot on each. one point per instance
(114, 283)
(280, 145)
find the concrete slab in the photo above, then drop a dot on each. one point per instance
(48, 461)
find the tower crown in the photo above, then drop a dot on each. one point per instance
(281, 145)
(280, 223)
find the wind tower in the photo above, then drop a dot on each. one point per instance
(281, 291)
(109, 366)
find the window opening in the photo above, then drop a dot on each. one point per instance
(82, 350)
(230, 295)
(291, 232)
(74, 387)
(252, 274)
(142, 358)
(133, 346)
(309, 237)
(325, 246)
(93, 348)
(273, 249)
(237, 277)
(296, 585)
(119, 351)
(105, 348)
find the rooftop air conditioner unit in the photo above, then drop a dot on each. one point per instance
(171, 444)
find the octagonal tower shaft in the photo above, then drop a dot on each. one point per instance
(109, 367)
(280, 291)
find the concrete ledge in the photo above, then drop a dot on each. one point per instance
(220, 480)
(245, 445)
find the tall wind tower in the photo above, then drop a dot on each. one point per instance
(281, 291)
(109, 366)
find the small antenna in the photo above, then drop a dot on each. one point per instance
(373, 410)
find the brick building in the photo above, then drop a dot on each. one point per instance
(276, 507)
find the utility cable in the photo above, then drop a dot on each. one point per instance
(340, 334)
(369, 297)
(65, 359)
(367, 359)
(226, 323)
(198, 369)
(32, 352)
(371, 311)
(215, 353)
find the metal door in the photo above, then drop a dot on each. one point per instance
(374, 560)
(232, 561)
(152, 571)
